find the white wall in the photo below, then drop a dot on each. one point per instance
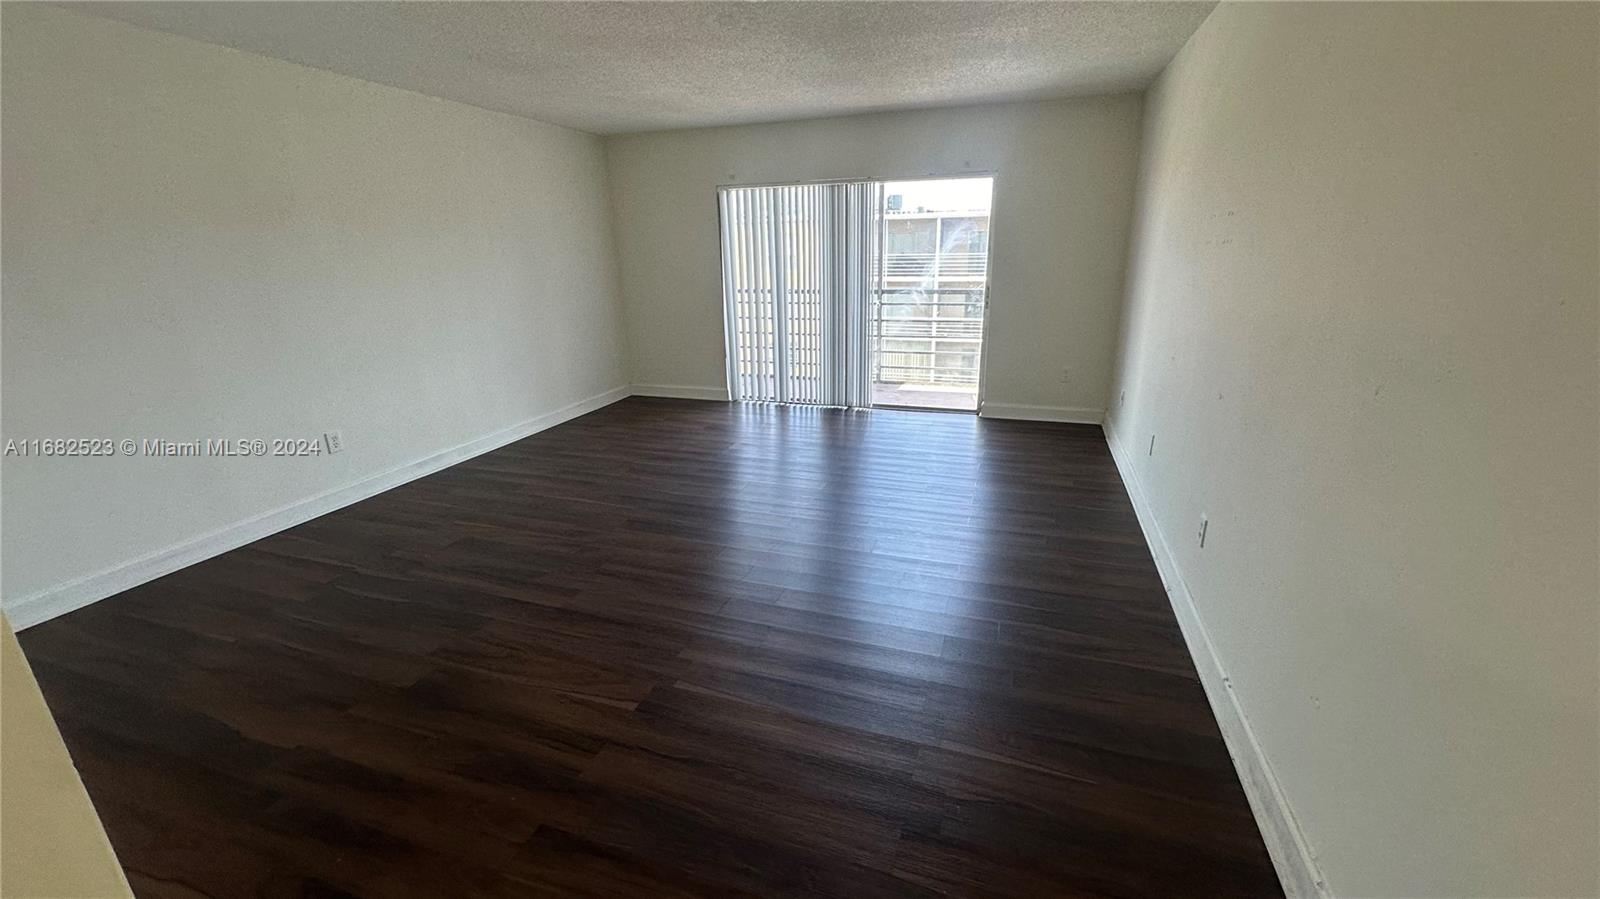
(1362, 327)
(200, 242)
(1063, 198)
(54, 844)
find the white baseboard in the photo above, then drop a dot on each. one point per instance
(680, 392)
(1042, 413)
(1286, 843)
(45, 604)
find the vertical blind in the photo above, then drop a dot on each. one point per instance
(798, 268)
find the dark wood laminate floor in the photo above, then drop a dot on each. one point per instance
(672, 649)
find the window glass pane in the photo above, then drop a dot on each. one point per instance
(966, 235)
(909, 236)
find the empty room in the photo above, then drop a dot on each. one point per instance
(813, 449)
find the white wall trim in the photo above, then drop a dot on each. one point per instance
(1043, 413)
(1286, 843)
(43, 605)
(681, 392)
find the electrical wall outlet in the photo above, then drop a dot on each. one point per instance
(335, 441)
(1066, 376)
(1204, 523)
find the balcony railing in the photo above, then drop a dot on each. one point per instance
(898, 266)
(927, 336)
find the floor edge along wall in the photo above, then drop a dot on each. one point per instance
(1286, 843)
(43, 605)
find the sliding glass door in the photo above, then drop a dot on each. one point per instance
(931, 293)
(855, 293)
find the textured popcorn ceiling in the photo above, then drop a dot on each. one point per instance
(618, 67)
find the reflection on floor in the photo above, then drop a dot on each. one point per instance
(926, 396)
